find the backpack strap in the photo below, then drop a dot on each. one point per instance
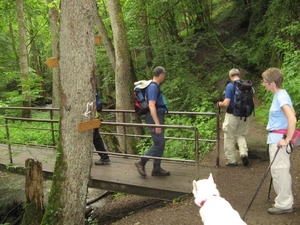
(159, 92)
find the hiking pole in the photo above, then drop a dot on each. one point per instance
(259, 186)
(268, 198)
(218, 137)
(270, 186)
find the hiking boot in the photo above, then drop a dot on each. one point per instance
(232, 164)
(141, 168)
(245, 160)
(276, 211)
(158, 171)
(102, 162)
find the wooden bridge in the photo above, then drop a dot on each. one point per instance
(118, 176)
(121, 174)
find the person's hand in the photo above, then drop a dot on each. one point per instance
(282, 142)
(158, 130)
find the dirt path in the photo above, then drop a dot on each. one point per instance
(236, 184)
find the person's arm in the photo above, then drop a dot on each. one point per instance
(153, 111)
(291, 118)
(225, 103)
(228, 92)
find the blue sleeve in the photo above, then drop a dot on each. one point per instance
(229, 93)
(152, 92)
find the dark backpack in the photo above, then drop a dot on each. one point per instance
(140, 102)
(243, 98)
(98, 103)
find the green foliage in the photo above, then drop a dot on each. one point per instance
(118, 195)
(36, 133)
(180, 148)
(31, 214)
(92, 221)
(285, 47)
(179, 36)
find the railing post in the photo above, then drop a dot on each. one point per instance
(52, 127)
(197, 152)
(8, 141)
(124, 133)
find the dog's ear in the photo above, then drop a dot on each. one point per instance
(194, 185)
(210, 178)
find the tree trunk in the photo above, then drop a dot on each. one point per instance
(23, 60)
(67, 198)
(144, 21)
(13, 42)
(123, 79)
(54, 20)
(34, 202)
(36, 64)
(104, 37)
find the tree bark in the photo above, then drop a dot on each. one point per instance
(36, 64)
(123, 79)
(67, 198)
(34, 202)
(104, 37)
(144, 21)
(23, 60)
(54, 20)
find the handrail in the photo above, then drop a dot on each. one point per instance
(196, 134)
(30, 119)
(196, 139)
(30, 108)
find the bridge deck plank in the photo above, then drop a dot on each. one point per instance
(121, 174)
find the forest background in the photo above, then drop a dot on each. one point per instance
(197, 42)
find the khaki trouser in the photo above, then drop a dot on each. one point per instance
(282, 181)
(234, 127)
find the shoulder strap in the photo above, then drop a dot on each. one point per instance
(152, 82)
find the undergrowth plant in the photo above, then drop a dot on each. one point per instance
(29, 132)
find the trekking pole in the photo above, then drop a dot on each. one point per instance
(270, 186)
(218, 137)
(268, 198)
(259, 186)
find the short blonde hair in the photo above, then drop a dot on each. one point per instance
(273, 74)
(234, 72)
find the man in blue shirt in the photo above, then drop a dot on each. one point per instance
(233, 126)
(155, 115)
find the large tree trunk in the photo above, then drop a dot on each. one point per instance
(54, 17)
(23, 60)
(123, 79)
(67, 198)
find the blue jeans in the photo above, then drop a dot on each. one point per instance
(157, 149)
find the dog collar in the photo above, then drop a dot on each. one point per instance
(202, 202)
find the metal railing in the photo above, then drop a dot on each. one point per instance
(196, 138)
(210, 114)
(7, 125)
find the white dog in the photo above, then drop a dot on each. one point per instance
(214, 210)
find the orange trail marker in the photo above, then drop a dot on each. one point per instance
(97, 40)
(88, 125)
(52, 62)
